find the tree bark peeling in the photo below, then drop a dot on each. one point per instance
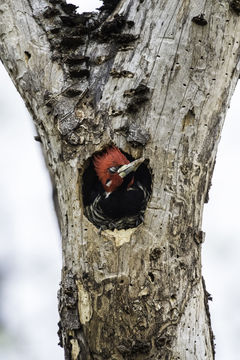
(144, 76)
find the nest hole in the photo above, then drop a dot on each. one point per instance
(92, 187)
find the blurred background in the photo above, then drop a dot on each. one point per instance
(30, 245)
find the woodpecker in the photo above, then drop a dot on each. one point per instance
(117, 196)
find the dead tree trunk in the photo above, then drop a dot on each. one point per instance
(155, 78)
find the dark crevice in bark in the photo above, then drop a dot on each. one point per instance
(207, 298)
(235, 6)
(70, 329)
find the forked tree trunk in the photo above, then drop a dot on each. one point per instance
(155, 78)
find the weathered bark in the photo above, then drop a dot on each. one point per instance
(155, 78)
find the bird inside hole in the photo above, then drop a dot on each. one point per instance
(116, 189)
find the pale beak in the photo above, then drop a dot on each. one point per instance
(124, 170)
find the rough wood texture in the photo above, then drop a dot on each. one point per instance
(155, 78)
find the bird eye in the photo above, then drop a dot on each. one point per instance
(113, 169)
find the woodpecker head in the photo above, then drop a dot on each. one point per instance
(112, 167)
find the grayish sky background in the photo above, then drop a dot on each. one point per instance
(30, 251)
